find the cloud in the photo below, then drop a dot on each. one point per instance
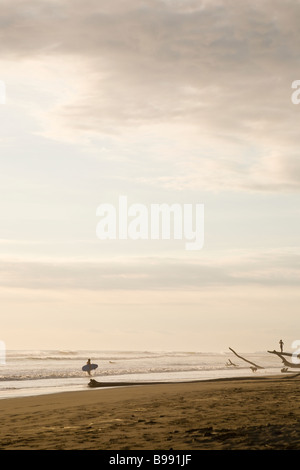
(274, 268)
(213, 79)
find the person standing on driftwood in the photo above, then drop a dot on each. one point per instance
(281, 345)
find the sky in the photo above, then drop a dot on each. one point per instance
(164, 102)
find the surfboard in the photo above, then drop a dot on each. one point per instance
(89, 367)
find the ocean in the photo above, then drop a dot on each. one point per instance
(28, 373)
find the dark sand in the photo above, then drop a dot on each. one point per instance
(258, 413)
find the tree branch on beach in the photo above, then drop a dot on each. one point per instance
(293, 376)
(254, 366)
(230, 363)
(285, 361)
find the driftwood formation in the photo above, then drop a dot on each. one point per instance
(230, 363)
(292, 376)
(95, 384)
(285, 361)
(254, 366)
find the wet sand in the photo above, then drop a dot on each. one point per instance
(236, 414)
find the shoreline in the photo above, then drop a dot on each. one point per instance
(114, 384)
(238, 413)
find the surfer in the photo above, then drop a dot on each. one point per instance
(88, 367)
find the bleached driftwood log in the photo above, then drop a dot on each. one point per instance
(230, 363)
(254, 366)
(285, 361)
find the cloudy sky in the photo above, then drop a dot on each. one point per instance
(164, 101)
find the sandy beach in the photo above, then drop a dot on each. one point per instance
(258, 413)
